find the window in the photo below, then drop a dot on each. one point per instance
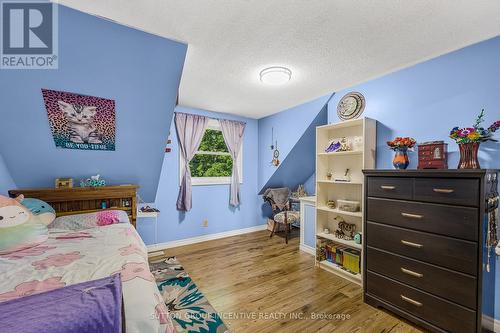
(212, 164)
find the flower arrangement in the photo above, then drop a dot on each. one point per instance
(401, 146)
(476, 133)
(402, 143)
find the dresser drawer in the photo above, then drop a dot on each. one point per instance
(450, 191)
(390, 187)
(460, 222)
(454, 286)
(459, 255)
(437, 311)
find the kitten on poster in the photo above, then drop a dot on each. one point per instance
(79, 121)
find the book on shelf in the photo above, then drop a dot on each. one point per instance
(343, 256)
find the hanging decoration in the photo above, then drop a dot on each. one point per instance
(492, 204)
(168, 147)
(274, 147)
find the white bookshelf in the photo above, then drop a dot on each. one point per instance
(337, 162)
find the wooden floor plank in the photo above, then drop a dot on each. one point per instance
(278, 288)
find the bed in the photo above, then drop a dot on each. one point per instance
(73, 255)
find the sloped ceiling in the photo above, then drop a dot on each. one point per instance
(300, 163)
(141, 72)
(288, 127)
(329, 45)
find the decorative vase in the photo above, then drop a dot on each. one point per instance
(468, 156)
(401, 160)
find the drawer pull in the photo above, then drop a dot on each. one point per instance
(413, 216)
(444, 190)
(411, 301)
(387, 187)
(415, 245)
(412, 273)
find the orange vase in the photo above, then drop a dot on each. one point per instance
(401, 160)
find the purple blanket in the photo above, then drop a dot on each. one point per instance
(93, 306)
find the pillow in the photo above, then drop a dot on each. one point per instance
(19, 229)
(45, 213)
(90, 220)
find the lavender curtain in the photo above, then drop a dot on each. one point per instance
(233, 136)
(190, 129)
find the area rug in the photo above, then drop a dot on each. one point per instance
(189, 309)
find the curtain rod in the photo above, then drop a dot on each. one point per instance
(215, 118)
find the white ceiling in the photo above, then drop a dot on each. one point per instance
(329, 45)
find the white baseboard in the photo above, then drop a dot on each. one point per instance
(307, 249)
(492, 323)
(204, 238)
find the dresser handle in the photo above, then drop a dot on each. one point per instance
(418, 246)
(412, 273)
(411, 301)
(413, 216)
(443, 190)
(386, 187)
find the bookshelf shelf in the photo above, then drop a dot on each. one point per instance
(340, 212)
(340, 241)
(336, 269)
(342, 153)
(336, 163)
(338, 182)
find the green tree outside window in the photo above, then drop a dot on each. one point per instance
(213, 158)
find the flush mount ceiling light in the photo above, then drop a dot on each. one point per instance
(275, 75)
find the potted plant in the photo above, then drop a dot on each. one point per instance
(469, 139)
(401, 146)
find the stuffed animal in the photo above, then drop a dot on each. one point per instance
(19, 228)
(41, 209)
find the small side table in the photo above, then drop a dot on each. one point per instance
(151, 215)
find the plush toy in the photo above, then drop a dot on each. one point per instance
(41, 209)
(19, 228)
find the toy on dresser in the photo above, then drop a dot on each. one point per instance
(433, 155)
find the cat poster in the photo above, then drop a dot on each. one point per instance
(79, 121)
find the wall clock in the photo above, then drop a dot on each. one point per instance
(351, 106)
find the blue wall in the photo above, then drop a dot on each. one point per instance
(141, 72)
(300, 162)
(289, 126)
(209, 202)
(427, 100)
(6, 182)
(310, 184)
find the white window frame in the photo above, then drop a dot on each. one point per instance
(201, 181)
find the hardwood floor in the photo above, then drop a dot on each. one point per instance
(261, 285)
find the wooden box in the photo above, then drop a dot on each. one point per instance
(433, 155)
(64, 183)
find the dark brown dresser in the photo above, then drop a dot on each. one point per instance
(425, 253)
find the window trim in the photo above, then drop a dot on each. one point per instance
(202, 181)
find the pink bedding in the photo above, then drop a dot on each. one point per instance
(74, 256)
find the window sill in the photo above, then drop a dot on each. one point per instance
(211, 181)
